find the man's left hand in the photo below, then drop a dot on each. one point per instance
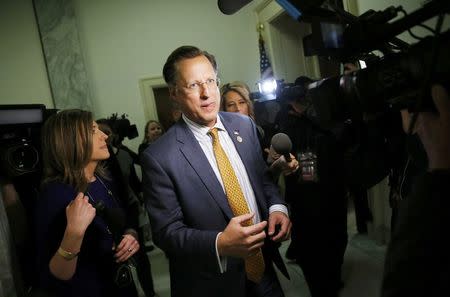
(278, 219)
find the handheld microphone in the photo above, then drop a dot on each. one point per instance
(231, 6)
(282, 145)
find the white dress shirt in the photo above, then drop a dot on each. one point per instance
(205, 140)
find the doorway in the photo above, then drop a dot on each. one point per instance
(157, 103)
(168, 113)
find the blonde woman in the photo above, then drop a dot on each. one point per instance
(153, 130)
(236, 98)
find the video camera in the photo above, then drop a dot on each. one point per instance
(122, 127)
(360, 108)
(401, 78)
(21, 153)
(20, 138)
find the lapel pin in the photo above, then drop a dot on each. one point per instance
(236, 132)
(239, 138)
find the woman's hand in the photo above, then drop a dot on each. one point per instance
(80, 214)
(127, 247)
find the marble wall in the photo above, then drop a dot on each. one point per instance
(63, 56)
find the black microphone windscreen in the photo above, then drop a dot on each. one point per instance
(231, 6)
(281, 143)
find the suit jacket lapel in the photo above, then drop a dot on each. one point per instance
(192, 151)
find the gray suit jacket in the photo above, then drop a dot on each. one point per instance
(188, 207)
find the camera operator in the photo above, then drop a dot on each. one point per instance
(317, 197)
(411, 161)
(134, 208)
(417, 260)
(121, 128)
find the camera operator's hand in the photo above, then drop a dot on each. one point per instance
(434, 130)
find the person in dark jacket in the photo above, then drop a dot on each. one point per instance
(316, 194)
(418, 259)
(208, 192)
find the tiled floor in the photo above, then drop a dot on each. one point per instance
(362, 269)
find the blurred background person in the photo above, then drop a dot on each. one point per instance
(175, 113)
(79, 247)
(135, 211)
(411, 162)
(316, 195)
(418, 241)
(153, 130)
(127, 158)
(236, 98)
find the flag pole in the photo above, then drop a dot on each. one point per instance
(265, 65)
(260, 29)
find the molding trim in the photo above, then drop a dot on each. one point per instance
(351, 6)
(146, 86)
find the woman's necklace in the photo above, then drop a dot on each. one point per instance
(110, 194)
(100, 205)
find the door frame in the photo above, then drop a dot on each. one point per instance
(265, 13)
(146, 85)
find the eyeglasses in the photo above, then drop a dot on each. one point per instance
(195, 87)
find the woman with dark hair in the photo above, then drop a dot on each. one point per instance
(81, 230)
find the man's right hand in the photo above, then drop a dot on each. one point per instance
(238, 240)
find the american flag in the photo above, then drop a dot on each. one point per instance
(264, 64)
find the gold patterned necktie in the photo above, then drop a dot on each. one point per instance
(254, 264)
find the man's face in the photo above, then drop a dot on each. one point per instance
(196, 90)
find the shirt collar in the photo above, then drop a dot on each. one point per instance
(201, 129)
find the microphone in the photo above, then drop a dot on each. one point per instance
(231, 6)
(114, 219)
(282, 145)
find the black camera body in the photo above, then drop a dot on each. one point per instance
(361, 107)
(20, 139)
(21, 149)
(121, 127)
(401, 79)
(397, 81)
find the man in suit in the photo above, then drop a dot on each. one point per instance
(216, 246)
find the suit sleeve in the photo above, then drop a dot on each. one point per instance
(170, 232)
